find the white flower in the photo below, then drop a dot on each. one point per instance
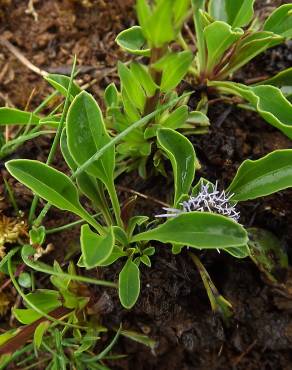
(209, 199)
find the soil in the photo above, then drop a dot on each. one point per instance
(173, 307)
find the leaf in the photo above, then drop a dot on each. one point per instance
(95, 248)
(48, 183)
(141, 73)
(238, 252)
(133, 41)
(263, 176)
(86, 134)
(39, 333)
(177, 118)
(219, 37)
(283, 78)
(131, 86)
(174, 67)
(198, 230)
(181, 153)
(249, 47)
(115, 255)
(217, 10)
(61, 84)
(239, 12)
(129, 284)
(269, 102)
(139, 338)
(111, 96)
(143, 14)
(280, 21)
(159, 26)
(24, 280)
(267, 253)
(12, 116)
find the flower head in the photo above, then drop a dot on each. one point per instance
(209, 199)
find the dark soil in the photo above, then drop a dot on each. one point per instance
(173, 307)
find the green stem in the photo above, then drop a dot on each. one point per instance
(55, 143)
(116, 204)
(68, 226)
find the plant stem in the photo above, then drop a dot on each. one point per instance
(68, 226)
(54, 145)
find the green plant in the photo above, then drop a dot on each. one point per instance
(227, 37)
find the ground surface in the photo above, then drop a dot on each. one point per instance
(173, 307)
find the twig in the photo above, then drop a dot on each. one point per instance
(237, 360)
(144, 196)
(22, 58)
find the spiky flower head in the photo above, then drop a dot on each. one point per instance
(209, 199)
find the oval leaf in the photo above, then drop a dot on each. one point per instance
(46, 182)
(12, 116)
(95, 248)
(129, 284)
(198, 230)
(263, 176)
(280, 21)
(133, 41)
(181, 153)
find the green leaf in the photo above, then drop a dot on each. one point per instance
(111, 96)
(174, 67)
(200, 24)
(61, 84)
(280, 21)
(217, 10)
(115, 255)
(39, 333)
(24, 280)
(143, 14)
(159, 26)
(12, 116)
(249, 47)
(131, 86)
(139, 338)
(180, 11)
(267, 253)
(238, 252)
(239, 12)
(49, 184)
(176, 119)
(283, 78)
(95, 248)
(45, 300)
(129, 284)
(86, 134)
(142, 75)
(181, 153)
(263, 176)
(269, 102)
(146, 260)
(133, 41)
(198, 230)
(219, 37)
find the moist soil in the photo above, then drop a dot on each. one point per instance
(173, 308)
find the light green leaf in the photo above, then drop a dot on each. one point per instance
(95, 248)
(139, 338)
(61, 84)
(141, 73)
(129, 284)
(131, 86)
(24, 280)
(39, 333)
(111, 96)
(48, 183)
(174, 67)
(217, 10)
(239, 12)
(160, 26)
(283, 78)
(249, 47)
(200, 23)
(280, 21)
(219, 37)
(143, 14)
(238, 252)
(176, 119)
(180, 11)
(133, 41)
(269, 102)
(263, 176)
(181, 153)
(12, 116)
(198, 230)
